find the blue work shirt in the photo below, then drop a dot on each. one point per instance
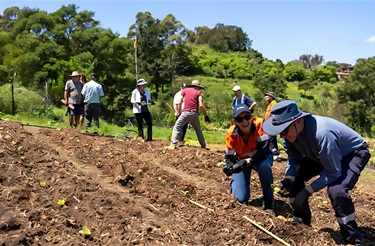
(92, 92)
(323, 140)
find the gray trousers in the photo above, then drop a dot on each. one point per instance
(183, 119)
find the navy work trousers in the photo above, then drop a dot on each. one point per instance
(338, 191)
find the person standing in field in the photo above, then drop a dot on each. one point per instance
(242, 99)
(193, 99)
(178, 111)
(92, 91)
(270, 98)
(141, 99)
(319, 147)
(73, 96)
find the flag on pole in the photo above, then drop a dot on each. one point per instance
(135, 44)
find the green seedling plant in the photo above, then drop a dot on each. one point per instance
(85, 231)
(275, 189)
(323, 202)
(61, 202)
(184, 193)
(162, 181)
(42, 184)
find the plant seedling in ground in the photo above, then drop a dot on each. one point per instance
(85, 231)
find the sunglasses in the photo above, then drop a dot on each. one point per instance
(246, 117)
(283, 133)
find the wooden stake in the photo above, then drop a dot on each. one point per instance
(201, 206)
(266, 231)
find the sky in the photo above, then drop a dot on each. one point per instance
(341, 31)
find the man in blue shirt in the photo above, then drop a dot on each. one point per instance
(240, 99)
(92, 91)
(321, 146)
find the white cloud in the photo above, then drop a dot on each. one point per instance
(370, 39)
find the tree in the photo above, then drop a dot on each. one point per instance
(357, 94)
(149, 34)
(293, 71)
(309, 62)
(325, 73)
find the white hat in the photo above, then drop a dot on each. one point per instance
(75, 73)
(236, 88)
(141, 82)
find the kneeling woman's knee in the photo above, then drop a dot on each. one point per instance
(240, 192)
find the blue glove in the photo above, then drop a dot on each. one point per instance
(300, 199)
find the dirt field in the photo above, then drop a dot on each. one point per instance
(128, 192)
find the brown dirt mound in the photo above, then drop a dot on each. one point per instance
(128, 192)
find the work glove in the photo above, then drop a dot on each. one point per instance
(207, 119)
(285, 188)
(231, 168)
(300, 201)
(228, 168)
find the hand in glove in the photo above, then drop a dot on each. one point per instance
(285, 188)
(300, 200)
(231, 168)
(207, 119)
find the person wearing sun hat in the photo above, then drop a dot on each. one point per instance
(73, 96)
(247, 149)
(322, 146)
(193, 102)
(141, 100)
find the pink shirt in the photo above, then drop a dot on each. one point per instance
(191, 101)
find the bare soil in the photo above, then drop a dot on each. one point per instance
(130, 192)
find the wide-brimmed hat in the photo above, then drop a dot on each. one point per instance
(237, 110)
(141, 82)
(196, 83)
(283, 114)
(270, 93)
(236, 88)
(74, 74)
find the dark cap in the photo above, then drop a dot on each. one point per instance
(270, 93)
(237, 110)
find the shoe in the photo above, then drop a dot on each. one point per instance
(182, 143)
(268, 206)
(296, 220)
(205, 148)
(171, 147)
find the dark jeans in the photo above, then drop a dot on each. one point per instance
(183, 131)
(92, 110)
(147, 117)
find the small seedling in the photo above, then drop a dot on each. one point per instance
(13, 142)
(61, 202)
(140, 171)
(184, 193)
(121, 161)
(42, 183)
(85, 231)
(275, 188)
(162, 181)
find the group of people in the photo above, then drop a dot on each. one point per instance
(82, 99)
(315, 145)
